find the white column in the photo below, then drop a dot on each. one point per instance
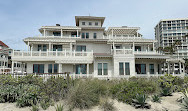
(180, 67)
(61, 33)
(153, 46)
(32, 47)
(12, 67)
(60, 68)
(168, 67)
(87, 68)
(71, 46)
(44, 32)
(28, 46)
(148, 48)
(133, 47)
(49, 46)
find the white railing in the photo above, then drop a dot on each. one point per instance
(50, 53)
(122, 51)
(146, 52)
(52, 36)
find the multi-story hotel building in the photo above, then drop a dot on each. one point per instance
(168, 31)
(87, 49)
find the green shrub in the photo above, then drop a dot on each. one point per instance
(125, 90)
(7, 79)
(156, 98)
(59, 108)
(28, 95)
(55, 88)
(105, 105)
(45, 104)
(30, 79)
(35, 108)
(85, 94)
(140, 101)
(8, 93)
(184, 105)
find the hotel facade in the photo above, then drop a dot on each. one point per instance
(89, 49)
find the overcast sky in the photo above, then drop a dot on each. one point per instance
(22, 18)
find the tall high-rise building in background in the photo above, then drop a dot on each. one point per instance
(169, 31)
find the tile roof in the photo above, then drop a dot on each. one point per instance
(3, 44)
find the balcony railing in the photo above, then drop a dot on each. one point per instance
(130, 51)
(50, 53)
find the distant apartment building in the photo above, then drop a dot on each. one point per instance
(168, 31)
(88, 49)
(4, 58)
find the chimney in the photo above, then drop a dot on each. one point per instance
(57, 24)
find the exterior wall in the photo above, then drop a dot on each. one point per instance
(97, 48)
(103, 60)
(87, 23)
(129, 59)
(91, 33)
(68, 68)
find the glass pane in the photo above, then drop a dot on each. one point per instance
(35, 68)
(143, 68)
(87, 35)
(77, 69)
(83, 68)
(99, 68)
(83, 35)
(55, 68)
(44, 48)
(151, 68)
(84, 48)
(39, 47)
(41, 68)
(105, 68)
(49, 68)
(121, 68)
(127, 69)
(78, 48)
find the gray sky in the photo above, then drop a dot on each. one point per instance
(22, 18)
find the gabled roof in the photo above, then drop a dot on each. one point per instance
(3, 44)
(77, 18)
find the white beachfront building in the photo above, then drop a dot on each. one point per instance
(87, 49)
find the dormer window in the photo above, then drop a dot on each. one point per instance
(96, 23)
(83, 23)
(90, 23)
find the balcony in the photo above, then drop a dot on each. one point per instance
(66, 56)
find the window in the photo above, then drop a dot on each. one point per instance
(87, 35)
(0, 63)
(44, 48)
(39, 47)
(121, 68)
(38, 68)
(81, 68)
(127, 69)
(124, 70)
(80, 48)
(57, 47)
(151, 68)
(49, 68)
(57, 33)
(55, 68)
(99, 68)
(140, 68)
(83, 23)
(90, 23)
(83, 35)
(96, 23)
(94, 35)
(102, 68)
(138, 48)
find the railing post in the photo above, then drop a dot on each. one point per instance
(82, 52)
(65, 52)
(22, 53)
(13, 52)
(74, 53)
(40, 53)
(31, 53)
(47, 53)
(56, 52)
